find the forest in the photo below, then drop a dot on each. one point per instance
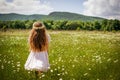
(103, 25)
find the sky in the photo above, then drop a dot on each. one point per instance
(102, 8)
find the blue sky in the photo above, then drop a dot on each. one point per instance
(102, 8)
(75, 6)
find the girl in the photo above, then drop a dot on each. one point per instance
(38, 42)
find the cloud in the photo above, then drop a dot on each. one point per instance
(102, 8)
(25, 7)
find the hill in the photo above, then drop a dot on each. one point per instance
(14, 16)
(51, 16)
(71, 16)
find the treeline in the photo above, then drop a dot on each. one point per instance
(104, 25)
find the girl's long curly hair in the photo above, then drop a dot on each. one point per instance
(38, 39)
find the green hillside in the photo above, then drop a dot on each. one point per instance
(51, 16)
(14, 16)
(71, 16)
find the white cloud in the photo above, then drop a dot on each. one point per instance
(102, 8)
(25, 7)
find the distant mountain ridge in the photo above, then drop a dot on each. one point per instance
(51, 16)
(72, 16)
(14, 16)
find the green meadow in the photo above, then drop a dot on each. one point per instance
(73, 55)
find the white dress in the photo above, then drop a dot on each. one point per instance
(38, 60)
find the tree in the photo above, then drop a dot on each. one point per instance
(97, 25)
(48, 24)
(28, 24)
(72, 25)
(103, 25)
(116, 24)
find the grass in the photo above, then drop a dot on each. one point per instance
(73, 55)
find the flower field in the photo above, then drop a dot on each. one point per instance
(73, 55)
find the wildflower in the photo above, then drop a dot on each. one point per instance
(63, 73)
(63, 69)
(18, 65)
(60, 79)
(108, 60)
(73, 65)
(58, 74)
(89, 68)
(62, 61)
(55, 69)
(58, 67)
(51, 70)
(28, 72)
(43, 75)
(48, 67)
(116, 61)
(18, 69)
(18, 62)
(85, 74)
(66, 72)
(62, 65)
(53, 61)
(59, 59)
(13, 66)
(8, 62)
(73, 79)
(2, 67)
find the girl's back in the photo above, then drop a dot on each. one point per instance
(38, 42)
